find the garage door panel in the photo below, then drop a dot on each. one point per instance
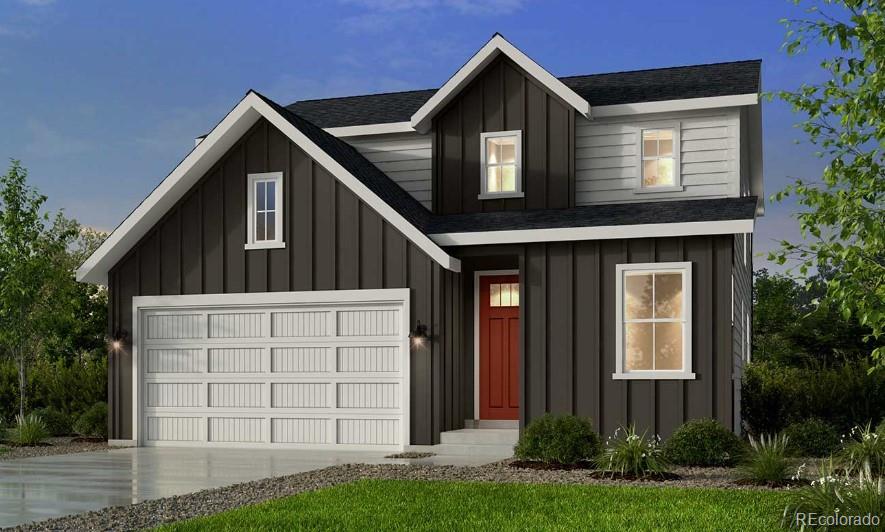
(173, 360)
(300, 395)
(298, 376)
(300, 324)
(308, 359)
(236, 325)
(236, 359)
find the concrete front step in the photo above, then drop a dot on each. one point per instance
(480, 437)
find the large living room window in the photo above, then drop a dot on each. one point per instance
(659, 162)
(265, 211)
(653, 321)
(501, 154)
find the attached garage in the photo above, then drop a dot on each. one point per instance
(286, 369)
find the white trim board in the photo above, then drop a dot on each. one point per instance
(476, 275)
(222, 137)
(370, 129)
(496, 45)
(682, 104)
(606, 232)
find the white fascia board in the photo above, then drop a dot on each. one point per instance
(168, 192)
(666, 106)
(497, 45)
(370, 129)
(201, 159)
(356, 186)
(757, 185)
(381, 295)
(607, 232)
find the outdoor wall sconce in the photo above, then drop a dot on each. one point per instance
(419, 336)
(118, 340)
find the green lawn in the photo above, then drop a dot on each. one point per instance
(421, 505)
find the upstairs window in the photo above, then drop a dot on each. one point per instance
(501, 165)
(659, 166)
(265, 206)
(653, 321)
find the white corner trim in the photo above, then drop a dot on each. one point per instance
(200, 160)
(497, 45)
(665, 106)
(476, 276)
(606, 232)
(684, 268)
(370, 129)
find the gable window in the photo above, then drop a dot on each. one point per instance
(265, 211)
(659, 164)
(501, 155)
(653, 321)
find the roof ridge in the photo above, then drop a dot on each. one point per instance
(656, 69)
(362, 95)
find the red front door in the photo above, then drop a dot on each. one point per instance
(499, 347)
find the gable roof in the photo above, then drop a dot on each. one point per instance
(616, 88)
(342, 161)
(496, 46)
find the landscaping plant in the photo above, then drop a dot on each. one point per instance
(836, 493)
(703, 442)
(629, 453)
(812, 437)
(766, 462)
(30, 429)
(57, 422)
(93, 422)
(558, 439)
(863, 448)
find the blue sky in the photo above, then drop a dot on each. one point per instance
(101, 99)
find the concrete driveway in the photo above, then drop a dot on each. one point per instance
(33, 489)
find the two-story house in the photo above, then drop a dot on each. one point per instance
(373, 271)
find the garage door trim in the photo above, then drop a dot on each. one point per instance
(227, 302)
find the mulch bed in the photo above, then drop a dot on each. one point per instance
(53, 446)
(593, 472)
(156, 512)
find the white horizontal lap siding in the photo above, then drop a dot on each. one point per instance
(607, 159)
(258, 372)
(404, 157)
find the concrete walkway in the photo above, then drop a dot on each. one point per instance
(33, 489)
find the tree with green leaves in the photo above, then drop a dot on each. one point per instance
(843, 216)
(30, 243)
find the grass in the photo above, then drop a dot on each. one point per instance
(423, 505)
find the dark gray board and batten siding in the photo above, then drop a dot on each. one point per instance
(504, 98)
(568, 316)
(334, 241)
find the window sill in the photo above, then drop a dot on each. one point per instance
(265, 245)
(501, 195)
(654, 375)
(653, 190)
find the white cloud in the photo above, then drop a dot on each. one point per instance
(46, 141)
(38, 3)
(383, 15)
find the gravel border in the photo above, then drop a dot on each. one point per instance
(56, 446)
(156, 512)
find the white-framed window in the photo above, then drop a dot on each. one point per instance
(658, 148)
(501, 159)
(653, 321)
(265, 211)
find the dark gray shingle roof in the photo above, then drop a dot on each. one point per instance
(697, 81)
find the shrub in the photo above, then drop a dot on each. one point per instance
(30, 430)
(773, 397)
(864, 448)
(57, 422)
(812, 437)
(627, 452)
(562, 439)
(703, 442)
(835, 494)
(766, 462)
(94, 421)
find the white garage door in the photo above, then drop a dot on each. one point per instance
(295, 369)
